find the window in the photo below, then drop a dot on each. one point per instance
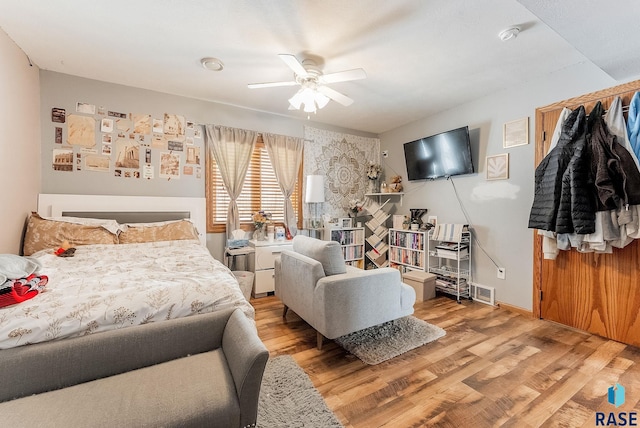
(260, 192)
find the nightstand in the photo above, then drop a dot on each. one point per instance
(263, 264)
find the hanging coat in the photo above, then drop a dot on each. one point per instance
(617, 178)
(563, 197)
(633, 124)
(549, 243)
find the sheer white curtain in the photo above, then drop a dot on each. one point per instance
(231, 148)
(285, 154)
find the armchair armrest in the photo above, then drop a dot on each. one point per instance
(247, 357)
(359, 299)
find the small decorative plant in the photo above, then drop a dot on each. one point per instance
(373, 171)
(355, 207)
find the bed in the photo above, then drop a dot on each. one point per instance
(142, 277)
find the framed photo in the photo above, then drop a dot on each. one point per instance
(345, 222)
(433, 220)
(498, 167)
(515, 133)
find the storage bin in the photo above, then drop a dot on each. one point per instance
(423, 282)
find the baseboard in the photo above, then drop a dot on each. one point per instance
(516, 309)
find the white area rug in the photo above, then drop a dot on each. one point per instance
(380, 343)
(288, 398)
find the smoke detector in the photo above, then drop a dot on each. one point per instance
(509, 33)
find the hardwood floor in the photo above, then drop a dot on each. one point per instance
(493, 368)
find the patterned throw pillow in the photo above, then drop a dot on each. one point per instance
(45, 233)
(162, 231)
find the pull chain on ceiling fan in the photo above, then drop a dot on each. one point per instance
(314, 93)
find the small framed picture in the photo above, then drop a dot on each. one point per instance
(515, 133)
(498, 167)
(345, 222)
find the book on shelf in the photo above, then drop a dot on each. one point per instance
(381, 216)
(378, 260)
(374, 239)
(451, 246)
(372, 224)
(450, 254)
(377, 252)
(374, 207)
(381, 230)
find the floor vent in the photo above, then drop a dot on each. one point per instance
(484, 294)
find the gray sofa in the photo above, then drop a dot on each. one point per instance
(336, 299)
(202, 370)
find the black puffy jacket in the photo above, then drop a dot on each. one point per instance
(564, 197)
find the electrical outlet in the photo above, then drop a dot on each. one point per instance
(385, 154)
(502, 273)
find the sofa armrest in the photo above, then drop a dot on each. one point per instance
(339, 300)
(296, 279)
(41, 367)
(246, 357)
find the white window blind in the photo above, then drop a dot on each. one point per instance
(260, 192)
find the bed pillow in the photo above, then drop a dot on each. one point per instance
(162, 231)
(43, 233)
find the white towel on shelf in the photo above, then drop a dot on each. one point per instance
(448, 232)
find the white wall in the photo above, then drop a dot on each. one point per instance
(19, 142)
(498, 210)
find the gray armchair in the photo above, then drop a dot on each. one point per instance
(313, 281)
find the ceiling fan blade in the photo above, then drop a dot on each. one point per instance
(344, 76)
(335, 95)
(293, 63)
(271, 84)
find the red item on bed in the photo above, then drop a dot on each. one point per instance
(22, 289)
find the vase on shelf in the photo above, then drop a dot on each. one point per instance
(259, 234)
(373, 186)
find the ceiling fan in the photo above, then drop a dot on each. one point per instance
(314, 93)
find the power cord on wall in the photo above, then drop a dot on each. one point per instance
(464, 212)
(466, 216)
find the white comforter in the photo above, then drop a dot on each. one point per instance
(106, 287)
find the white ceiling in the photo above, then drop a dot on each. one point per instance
(421, 56)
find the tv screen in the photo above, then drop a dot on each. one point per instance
(440, 155)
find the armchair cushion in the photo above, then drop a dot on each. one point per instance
(328, 253)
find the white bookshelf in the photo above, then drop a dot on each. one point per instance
(407, 249)
(351, 240)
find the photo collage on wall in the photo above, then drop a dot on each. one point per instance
(126, 145)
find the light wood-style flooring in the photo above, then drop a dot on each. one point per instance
(493, 368)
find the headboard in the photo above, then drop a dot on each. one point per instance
(126, 209)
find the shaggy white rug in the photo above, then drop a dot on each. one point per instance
(380, 343)
(288, 398)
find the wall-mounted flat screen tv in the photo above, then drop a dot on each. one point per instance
(440, 155)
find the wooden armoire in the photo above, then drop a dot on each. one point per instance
(598, 293)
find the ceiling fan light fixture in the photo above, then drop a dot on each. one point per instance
(296, 100)
(322, 100)
(314, 93)
(212, 64)
(309, 99)
(310, 107)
